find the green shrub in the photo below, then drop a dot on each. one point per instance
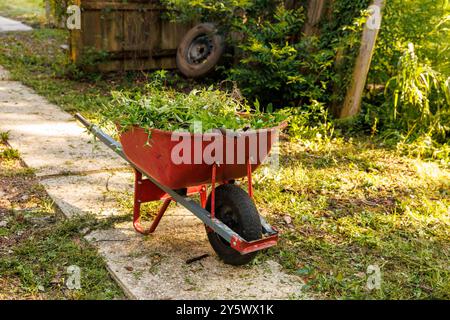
(413, 113)
(425, 23)
(417, 93)
(9, 154)
(311, 122)
(418, 106)
(277, 70)
(276, 64)
(4, 136)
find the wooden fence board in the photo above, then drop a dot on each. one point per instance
(133, 34)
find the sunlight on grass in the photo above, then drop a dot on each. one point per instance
(29, 11)
(433, 171)
(353, 205)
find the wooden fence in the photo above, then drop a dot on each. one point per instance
(122, 36)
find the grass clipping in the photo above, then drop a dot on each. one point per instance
(169, 110)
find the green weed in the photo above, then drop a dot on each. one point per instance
(9, 154)
(4, 136)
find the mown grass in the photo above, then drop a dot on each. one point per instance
(341, 205)
(37, 245)
(353, 204)
(36, 59)
(40, 263)
(28, 11)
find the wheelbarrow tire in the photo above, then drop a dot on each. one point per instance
(236, 209)
(200, 51)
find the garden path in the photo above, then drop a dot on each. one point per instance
(7, 25)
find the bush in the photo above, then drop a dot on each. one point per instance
(276, 64)
(312, 123)
(277, 70)
(413, 61)
(425, 23)
(417, 107)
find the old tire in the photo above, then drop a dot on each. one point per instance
(200, 51)
(234, 208)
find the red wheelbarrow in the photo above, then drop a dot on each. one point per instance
(172, 166)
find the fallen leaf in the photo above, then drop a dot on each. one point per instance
(287, 219)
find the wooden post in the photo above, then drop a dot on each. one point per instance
(316, 9)
(48, 13)
(352, 103)
(75, 43)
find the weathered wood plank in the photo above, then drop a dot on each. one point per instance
(152, 30)
(154, 54)
(122, 5)
(132, 33)
(112, 31)
(91, 31)
(135, 39)
(172, 34)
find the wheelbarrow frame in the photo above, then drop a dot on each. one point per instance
(144, 184)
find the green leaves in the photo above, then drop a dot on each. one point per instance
(418, 96)
(270, 66)
(275, 62)
(165, 109)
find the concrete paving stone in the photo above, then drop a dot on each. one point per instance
(158, 262)
(154, 267)
(94, 193)
(7, 25)
(49, 140)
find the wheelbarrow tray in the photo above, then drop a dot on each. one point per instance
(153, 152)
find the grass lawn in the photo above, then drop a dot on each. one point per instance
(37, 245)
(29, 11)
(343, 204)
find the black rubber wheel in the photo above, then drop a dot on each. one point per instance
(236, 209)
(200, 51)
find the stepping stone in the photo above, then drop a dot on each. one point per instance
(50, 140)
(12, 25)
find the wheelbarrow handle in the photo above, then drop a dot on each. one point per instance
(103, 137)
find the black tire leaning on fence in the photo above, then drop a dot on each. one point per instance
(200, 51)
(236, 209)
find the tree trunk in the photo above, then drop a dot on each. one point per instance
(48, 13)
(316, 9)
